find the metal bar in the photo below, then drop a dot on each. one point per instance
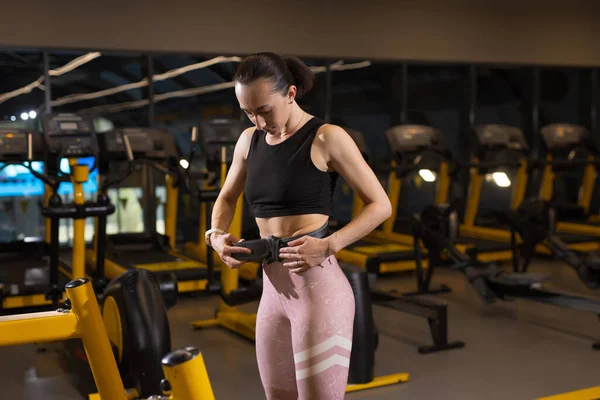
(472, 95)
(595, 103)
(148, 175)
(404, 93)
(579, 303)
(150, 90)
(535, 111)
(38, 327)
(47, 84)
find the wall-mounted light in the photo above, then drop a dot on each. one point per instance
(427, 175)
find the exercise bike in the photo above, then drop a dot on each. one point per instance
(133, 305)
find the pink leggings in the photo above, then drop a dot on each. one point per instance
(304, 332)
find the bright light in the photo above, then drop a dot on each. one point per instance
(501, 179)
(184, 163)
(13, 118)
(24, 116)
(32, 114)
(427, 175)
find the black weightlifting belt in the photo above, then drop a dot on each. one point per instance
(267, 250)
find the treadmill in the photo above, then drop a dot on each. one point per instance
(149, 249)
(570, 148)
(25, 273)
(429, 155)
(498, 148)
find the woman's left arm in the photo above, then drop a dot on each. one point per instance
(343, 156)
(346, 159)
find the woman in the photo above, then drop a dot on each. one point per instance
(287, 167)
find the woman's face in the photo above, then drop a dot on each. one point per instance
(268, 110)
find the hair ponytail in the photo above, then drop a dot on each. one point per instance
(282, 71)
(304, 78)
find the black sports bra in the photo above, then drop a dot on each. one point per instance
(282, 179)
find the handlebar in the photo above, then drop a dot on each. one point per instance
(74, 211)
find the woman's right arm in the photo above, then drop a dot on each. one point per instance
(224, 207)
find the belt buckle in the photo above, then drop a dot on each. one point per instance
(274, 245)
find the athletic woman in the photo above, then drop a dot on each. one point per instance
(287, 165)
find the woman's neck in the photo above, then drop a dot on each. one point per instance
(297, 116)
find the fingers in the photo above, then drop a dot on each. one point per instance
(291, 249)
(301, 268)
(290, 256)
(228, 249)
(297, 242)
(232, 262)
(297, 266)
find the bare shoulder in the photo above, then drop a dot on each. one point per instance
(243, 143)
(334, 139)
(333, 135)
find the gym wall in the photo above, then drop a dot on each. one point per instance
(523, 32)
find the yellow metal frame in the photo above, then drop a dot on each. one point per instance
(26, 301)
(379, 381)
(79, 175)
(585, 197)
(83, 321)
(592, 393)
(188, 380)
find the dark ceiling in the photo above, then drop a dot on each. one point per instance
(430, 87)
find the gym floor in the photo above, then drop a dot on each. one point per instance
(515, 350)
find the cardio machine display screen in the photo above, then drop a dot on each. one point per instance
(559, 136)
(18, 181)
(68, 126)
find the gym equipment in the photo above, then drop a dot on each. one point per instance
(27, 274)
(426, 152)
(149, 249)
(133, 305)
(184, 369)
(570, 148)
(433, 226)
(534, 221)
(498, 148)
(365, 338)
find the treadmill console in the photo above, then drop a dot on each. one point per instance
(415, 138)
(71, 135)
(146, 143)
(14, 145)
(217, 133)
(564, 136)
(497, 136)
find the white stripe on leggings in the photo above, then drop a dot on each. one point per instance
(335, 359)
(323, 347)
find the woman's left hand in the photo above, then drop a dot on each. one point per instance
(302, 254)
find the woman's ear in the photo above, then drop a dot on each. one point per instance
(292, 91)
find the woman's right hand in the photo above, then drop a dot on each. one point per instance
(222, 245)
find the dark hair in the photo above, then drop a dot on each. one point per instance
(281, 71)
